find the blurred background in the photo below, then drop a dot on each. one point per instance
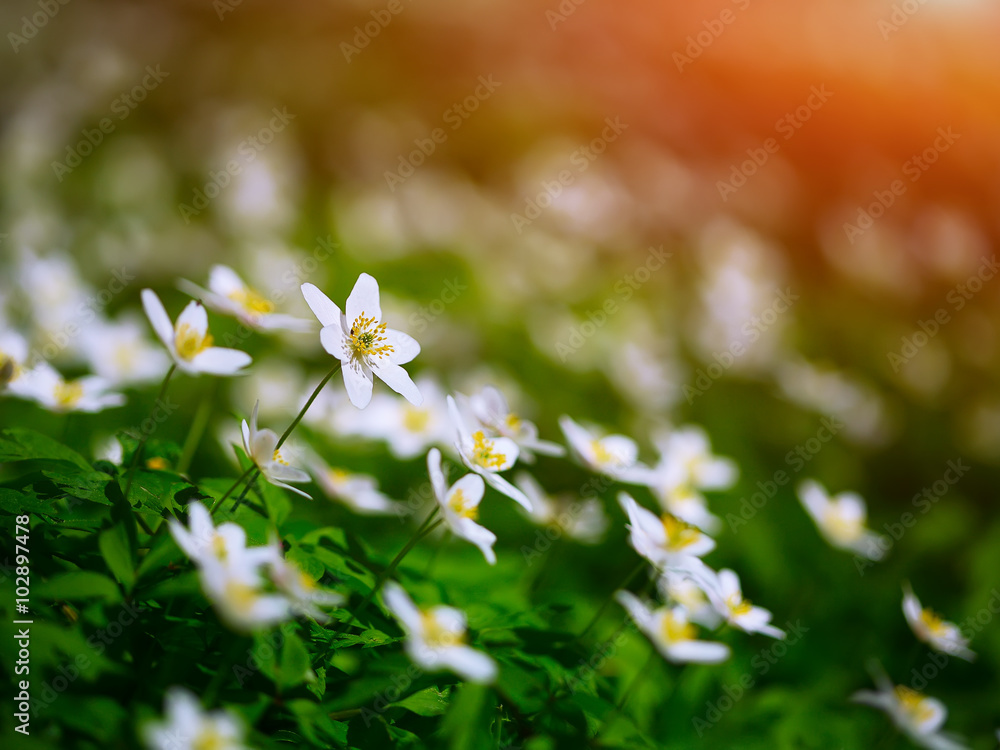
(747, 214)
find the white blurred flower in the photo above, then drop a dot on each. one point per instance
(43, 385)
(678, 587)
(409, 430)
(189, 342)
(228, 294)
(305, 596)
(189, 727)
(361, 341)
(666, 542)
(940, 634)
(120, 352)
(723, 590)
(487, 456)
(437, 637)
(917, 715)
(359, 492)
(669, 630)
(207, 545)
(613, 455)
(583, 519)
(459, 505)
(261, 447)
(13, 356)
(490, 409)
(840, 519)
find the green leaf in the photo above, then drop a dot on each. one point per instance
(294, 667)
(117, 551)
(467, 722)
(17, 503)
(20, 444)
(78, 585)
(427, 702)
(318, 686)
(89, 486)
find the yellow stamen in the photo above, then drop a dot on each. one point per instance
(209, 739)
(482, 452)
(68, 394)
(601, 454)
(219, 547)
(933, 622)
(438, 636)
(675, 629)
(457, 505)
(157, 462)
(189, 343)
(513, 422)
(416, 420)
(914, 703)
(738, 605)
(367, 339)
(338, 476)
(241, 596)
(306, 581)
(844, 530)
(278, 458)
(679, 534)
(252, 301)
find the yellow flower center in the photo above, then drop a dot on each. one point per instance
(933, 622)
(844, 530)
(278, 458)
(8, 369)
(738, 605)
(913, 703)
(219, 546)
(513, 422)
(189, 343)
(241, 596)
(68, 394)
(482, 452)
(601, 454)
(416, 420)
(306, 581)
(679, 534)
(156, 462)
(674, 629)
(438, 636)
(456, 503)
(337, 476)
(251, 301)
(209, 739)
(367, 339)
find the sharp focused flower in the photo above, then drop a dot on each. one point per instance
(487, 456)
(840, 519)
(665, 541)
(120, 352)
(359, 492)
(361, 341)
(723, 590)
(669, 630)
(460, 505)
(189, 727)
(43, 385)
(490, 409)
(228, 294)
(581, 519)
(189, 342)
(437, 637)
(917, 715)
(614, 455)
(261, 447)
(940, 634)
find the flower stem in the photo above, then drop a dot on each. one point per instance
(232, 489)
(643, 671)
(197, 428)
(146, 433)
(597, 615)
(249, 486)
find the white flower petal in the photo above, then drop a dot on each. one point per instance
(158, 318)
(364, 299)
(358, 383)
(324, 308)
(399, 380)
(404, 346)
(219, 361)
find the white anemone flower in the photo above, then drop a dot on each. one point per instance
(189, 342)
(359, 492)
(580, 519)
(261, 447)
(840, 519)
(671, 633)
(723, 590)
(46, 387)
(189, 727)
(238, 595)
(120, 352)
(918, 716)
(228, 294)
(409, 430)
(436, 637)
(363, 344)
(487, 456)
(490, 409)
(209, 545)
(678, 587)
(460, 506)
(665, 541)
(13, 355)
(304, 594)
(939, 634)
(613, 455)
